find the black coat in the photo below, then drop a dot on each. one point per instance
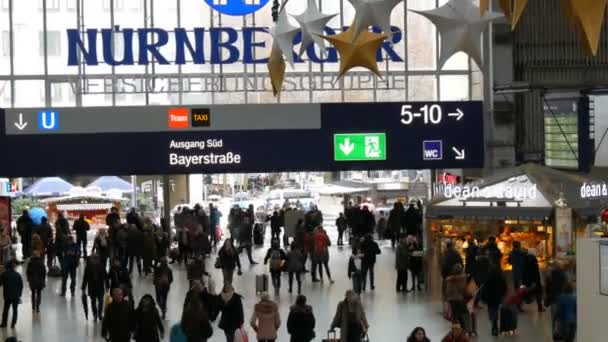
(471, 259)
(370, 250)
(81, 227)
(555, 284)
(227, 260)
(301, 324)
(147, 326)
(118, 322)
(495, 288)
(209, 301)
(119, 276)
(36, 273)
(13, 285)
(412, 220)
(233, 316)
(163, 276)
(135, 242)
(449, 260)
(95, 279)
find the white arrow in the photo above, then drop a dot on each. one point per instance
(459, 153)
(20, 125)
(347, 147)
(458, 115)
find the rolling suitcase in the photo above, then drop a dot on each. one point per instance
(332, 336)
(261, 283)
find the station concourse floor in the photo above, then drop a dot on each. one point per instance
(392, 316)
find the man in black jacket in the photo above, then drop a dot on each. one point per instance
(117, 324)
(71, 260)
(96, 281)
(13, 289)
(81, 227)
(24, 227)
(370, 250)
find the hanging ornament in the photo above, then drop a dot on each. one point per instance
(312, 22)
(373, 13)
(461, 28)
(590, 16)
(357, 51)
(284, 33)
(276, 68)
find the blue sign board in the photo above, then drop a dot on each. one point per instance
(237, 7)
(48, 121)
(418, 135)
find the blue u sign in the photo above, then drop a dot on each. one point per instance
(48, 121)
(237, 7)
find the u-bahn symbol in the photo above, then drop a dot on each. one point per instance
(237, 7)
(48, 121)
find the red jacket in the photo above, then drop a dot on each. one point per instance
(321, 242)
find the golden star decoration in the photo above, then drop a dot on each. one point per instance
(590, 16)
(276, 68)
(358, 52)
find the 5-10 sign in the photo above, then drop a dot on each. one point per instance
(360, 147)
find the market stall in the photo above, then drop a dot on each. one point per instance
(94, 207)
(537, 206)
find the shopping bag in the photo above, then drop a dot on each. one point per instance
(241, 335)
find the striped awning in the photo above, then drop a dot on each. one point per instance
(84, 206)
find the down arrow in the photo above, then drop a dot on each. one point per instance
(20, 125)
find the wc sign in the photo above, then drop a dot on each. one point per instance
(237, 7)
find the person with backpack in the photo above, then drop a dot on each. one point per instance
(36, 277)
(320, 257)
(355, 269)
(301, 321)
(71, 260)
(295, 267)
(351, 319)
(277, 257)
(82, 227)
(163, 278)
(147, 324)
(370, 250)
(230, 306)
(94, 283)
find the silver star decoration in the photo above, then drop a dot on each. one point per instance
(284, 33)
(461, 26)
(312, 22)
(373, 13)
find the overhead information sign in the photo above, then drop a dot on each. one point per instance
(240, 138)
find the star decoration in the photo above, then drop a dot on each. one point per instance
(284, 33)
(373, 13)
(590, 16)
(461, 27)
(312, 22)
(357, 51)
(276, 68)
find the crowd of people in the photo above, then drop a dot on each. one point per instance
(481, 278)
(137, 243)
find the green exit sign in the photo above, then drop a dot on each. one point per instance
(360, 147)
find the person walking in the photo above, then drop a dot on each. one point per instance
(275, 226)
(301, 321)
(566, 313)
(266, 319)
(228, 260)
(493, 293)
(351, 319)
(295, 267)
(517, 258)
(117, 324)
(418, 335)
(134, 247)
(202, 293)
(246, 234)
(277, 257)
(94, 283)
(62, 231)
(455, 291)
(532, 280)
(320, 257)
(415, 263)
(118, 276)
(402, 264)
(342, 226)
(25, 225)
(355, 269)
(82, 227)
(555, 282)
(36, 277)
(101, 247)
(450, 258)
(147, 324)
(163, 278)
(148, 248)
(471, 256)
(71, 260)
(230, 306)
(395, 222)
(370, 250)
(13, 290)
(194, 325)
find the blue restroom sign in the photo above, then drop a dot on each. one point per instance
(432, 150)
(237, 7)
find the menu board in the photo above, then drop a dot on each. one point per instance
(561, 133)
(604, 269)
(5, 213)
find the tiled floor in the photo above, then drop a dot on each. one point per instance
(392, 316)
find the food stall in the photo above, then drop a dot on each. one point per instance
(94, 207)
(537, 206)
